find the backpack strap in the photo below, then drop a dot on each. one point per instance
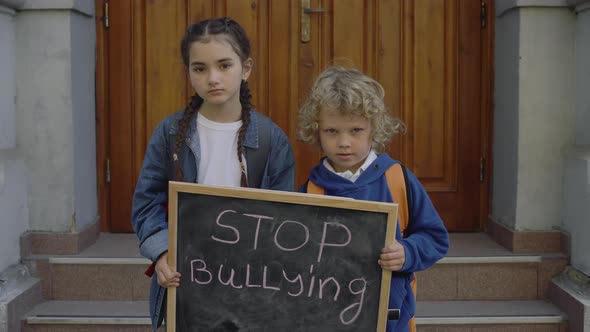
(313, 188)
(396, 176)
(256, 158)
(409, 201)
(397, 179)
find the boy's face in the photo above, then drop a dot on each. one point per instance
(345, 139)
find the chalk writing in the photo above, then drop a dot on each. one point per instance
(302, 227)
(199, 269)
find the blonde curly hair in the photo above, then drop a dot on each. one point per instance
(352, 93)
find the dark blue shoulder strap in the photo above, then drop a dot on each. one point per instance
(256, 158)
(408, 198)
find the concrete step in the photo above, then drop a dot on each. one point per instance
(491, 316)
(487, 278)
(476, 268)
(113, 260)
(89, 316)
(102, 279)
(440, 316)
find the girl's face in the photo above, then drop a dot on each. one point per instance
(345, 139)
(216, 71)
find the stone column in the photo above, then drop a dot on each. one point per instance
(55, 120)
(13, 182)
(576, 198)
(534, 112)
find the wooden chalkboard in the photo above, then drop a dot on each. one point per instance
(261, 260)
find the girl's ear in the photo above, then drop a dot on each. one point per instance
(247, 68)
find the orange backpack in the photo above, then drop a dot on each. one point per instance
(396, 180)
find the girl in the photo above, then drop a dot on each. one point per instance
(217, 139)
(346, 118)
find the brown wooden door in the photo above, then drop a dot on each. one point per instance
(430, 56)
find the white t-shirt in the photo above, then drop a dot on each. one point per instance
(219, 164)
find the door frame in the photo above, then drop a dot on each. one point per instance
(487, 107)
(102, 113)
(102, 101)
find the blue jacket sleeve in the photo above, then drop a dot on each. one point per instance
(149, 208)
(428, 241)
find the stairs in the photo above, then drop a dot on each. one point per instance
(479, 286)
(101, 289)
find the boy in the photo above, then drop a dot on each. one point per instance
(346, 118)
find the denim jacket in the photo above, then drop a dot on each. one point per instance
(150, 200)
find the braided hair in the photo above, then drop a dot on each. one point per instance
(230, 31)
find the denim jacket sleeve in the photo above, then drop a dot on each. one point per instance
(280, 173)
(149, 208)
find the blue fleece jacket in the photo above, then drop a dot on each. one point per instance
(428, 239)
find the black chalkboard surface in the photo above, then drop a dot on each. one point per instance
(260, 260)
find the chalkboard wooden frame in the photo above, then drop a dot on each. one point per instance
(176, 189)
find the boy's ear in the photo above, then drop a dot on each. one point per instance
(247, 68)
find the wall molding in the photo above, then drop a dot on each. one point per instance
(575, 3)
(528, 242)
(24, 294)
(2, 173)
(12, 4)
(6, 10)
(83, 7)
(570, 291)
(502, 7)
(58, 243)
(583, 6)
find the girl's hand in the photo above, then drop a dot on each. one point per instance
(166, 277)
(392, 257)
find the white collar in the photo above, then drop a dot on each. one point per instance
(348, 174)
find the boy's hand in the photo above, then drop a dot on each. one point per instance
(166, 277)
(392, 257)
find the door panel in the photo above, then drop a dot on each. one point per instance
(427, 55)
(165, 85)
(430, 107)
(121, 123)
